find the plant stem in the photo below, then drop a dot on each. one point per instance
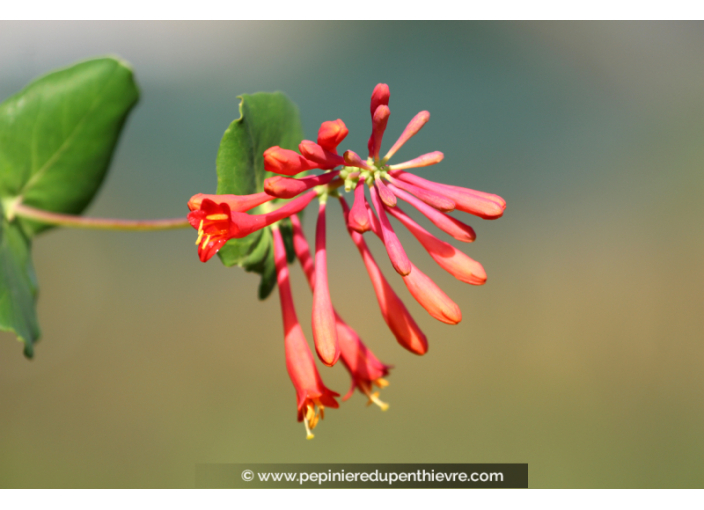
(69, 220)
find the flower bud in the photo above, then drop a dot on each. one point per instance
(240, 203)
(286, 162)
(358, 219)
(379, 121)
(431, 297)
(411, 130)
(287, 187)
(380, 96)
(331, 133)
(432, 158)
(322, 158)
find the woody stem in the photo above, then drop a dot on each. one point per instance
(70, 220)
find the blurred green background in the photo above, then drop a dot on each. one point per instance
(582, 355)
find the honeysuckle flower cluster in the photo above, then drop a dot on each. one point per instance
(219, 218)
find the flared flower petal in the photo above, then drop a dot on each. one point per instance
(214, 224)
(217, 224)
(365, 369)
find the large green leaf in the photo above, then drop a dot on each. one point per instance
(57, 137)
(266, 119)
(18, 286)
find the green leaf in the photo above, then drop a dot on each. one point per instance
(266, 119)
(18, 286)
(57, 136)
(266, 286)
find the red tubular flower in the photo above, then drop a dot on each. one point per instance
(324, 331)
(394, 312)
(393, 246)
(444, 222)
(448, 257)
(331, 134)
(285, 161)
(312, 395)
(286, 187)
(239, 203)
(216, 224)
(219, 218)
(365, 369)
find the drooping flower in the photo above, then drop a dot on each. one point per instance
(364, 367)
(222, 217)
(312, 395)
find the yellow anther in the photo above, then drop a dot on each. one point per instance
(216, 217)
(200, 233)
(381, 383)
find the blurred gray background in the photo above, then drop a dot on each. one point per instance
(582, 355)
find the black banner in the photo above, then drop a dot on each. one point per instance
(361, 476)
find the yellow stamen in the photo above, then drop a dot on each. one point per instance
(200, 233)
(310, 412)
(374, 397)
(215, 217)
(205, 243)
(309, 434)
